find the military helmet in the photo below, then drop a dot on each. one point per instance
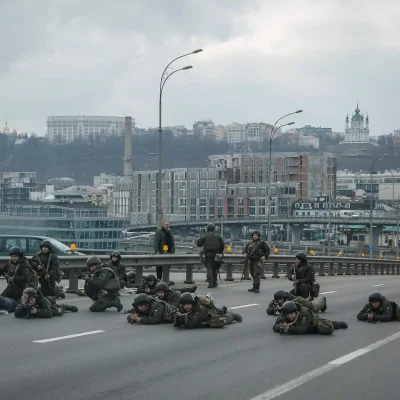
(151, 277)
(280, 294)
(16, 251)
(46, 243)
(188, 298)
(131, 276)
(115, 254)
(141, 298)
(30, 292)
(93, 260)
(162, 287)
(301, 256)
(256, 233)
(288, 307)
(375, 298)
(210, 228)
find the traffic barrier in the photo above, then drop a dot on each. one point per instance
(275, 265)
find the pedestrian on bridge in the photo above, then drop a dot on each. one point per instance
(163, 237)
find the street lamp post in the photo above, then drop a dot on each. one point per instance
(167, 73)
(397, 229)
(273, 131)
(370, 204)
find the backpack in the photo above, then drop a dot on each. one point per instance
(169, 310)
(211, 242)
(207, 303)
(395, 311)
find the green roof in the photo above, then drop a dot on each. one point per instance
(390, 229)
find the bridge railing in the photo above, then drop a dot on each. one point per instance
(276, 265)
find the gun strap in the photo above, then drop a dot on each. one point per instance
(295, 320)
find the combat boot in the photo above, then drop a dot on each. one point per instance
(339, 325)
(253, 289)
(193, 289)
(237, 317)
(320, 305)
(257, 288)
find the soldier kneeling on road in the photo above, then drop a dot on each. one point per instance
(171, 296)
(150, 311)
(280, 297)
(102, 286)
(34, 304)
(196, 312)
(379, 309)
(298, 320)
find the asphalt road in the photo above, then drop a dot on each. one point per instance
(116, 360)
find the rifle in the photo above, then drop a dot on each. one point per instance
(82, 275)
(295, 280)
(28, 309)
(245, 266)
(276, 306)
(282, 320)
(370, 321)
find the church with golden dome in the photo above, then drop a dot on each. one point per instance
(7, 131)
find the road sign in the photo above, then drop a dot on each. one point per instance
(371, 248)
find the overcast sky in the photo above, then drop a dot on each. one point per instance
(261, 59)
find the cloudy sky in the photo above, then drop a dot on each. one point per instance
(261, 59)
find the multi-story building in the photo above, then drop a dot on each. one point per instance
(308, 141)
(308, 130)
(384, 185)
(204, 128)
(258, 131)
(16, 187)
(220, 133)
(107, 179)
(358, 132)
(64, 129)
(236, 133)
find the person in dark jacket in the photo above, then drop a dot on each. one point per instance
(163, 237)
(281, 296)
(171, 296)
(379, 309)
(213, 246)
(150, 311)
(119, 268)
(192, 315)
(46, 264)
(297, 320)
(302, 275)
(19, 274)
(149, 285)
(102, 287)
(34, 304)
(256, 251)
(7, 305)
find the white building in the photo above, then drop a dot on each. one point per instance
(65, 129)
(358, 132)
(106, 179)
(309, 141)
(258, 131)
(236, 133)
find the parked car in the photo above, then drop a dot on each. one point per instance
(31, 245)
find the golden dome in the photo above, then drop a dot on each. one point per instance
(6, 129)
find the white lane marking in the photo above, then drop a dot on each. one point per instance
(246, 305)
(333, 291)
(349, 357)
(381, 284)
(67, 337)
(62, 300)
(288, 386)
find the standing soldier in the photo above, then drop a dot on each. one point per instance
(163, 237)
(256, 252)
(118, 268)
(213, 246)
(19, 274)
(302, 275)
(47, 267)
(103, 287)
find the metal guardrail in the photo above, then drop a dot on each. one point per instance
(275, 264)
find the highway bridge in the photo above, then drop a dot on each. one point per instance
(389, 220)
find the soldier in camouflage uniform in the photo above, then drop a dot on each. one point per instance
(46, 264)
(303, 276)
(19, 274)
(379, 309)
(212, 244)
(298, 320)
(150, 311)
(149, 285)
(103, 287)
(171, 296)
(256, 251)
(280, 296)
(34, 304)
(118, 268)
(191, 314)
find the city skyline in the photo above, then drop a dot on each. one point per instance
(260, 61)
